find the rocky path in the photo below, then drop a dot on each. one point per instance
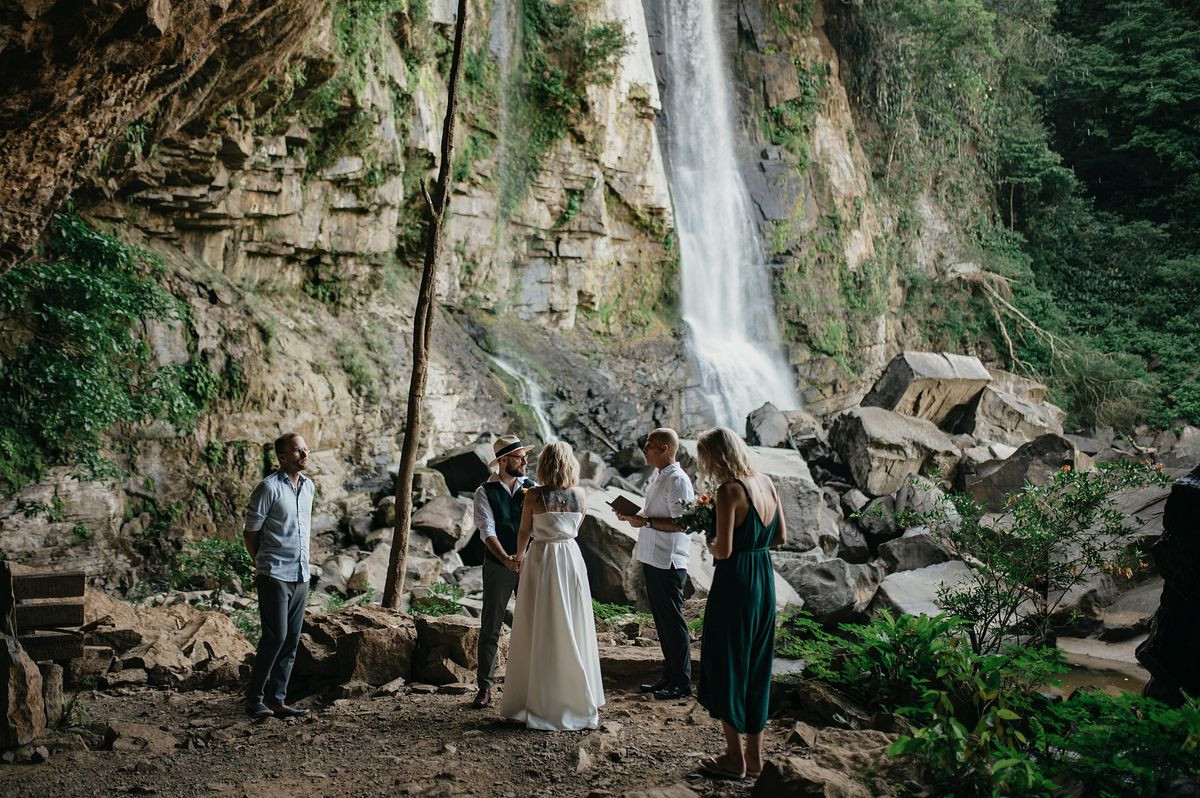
(197, 744)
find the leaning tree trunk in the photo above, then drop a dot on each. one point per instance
(422, 326)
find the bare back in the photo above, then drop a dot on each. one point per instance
(762, 497)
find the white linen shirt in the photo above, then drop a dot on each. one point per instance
(668, 487)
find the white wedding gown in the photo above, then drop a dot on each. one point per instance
(552, 680)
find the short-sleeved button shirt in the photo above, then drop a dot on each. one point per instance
(667, 489)
(282, 517)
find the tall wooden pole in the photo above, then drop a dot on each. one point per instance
(435, 205)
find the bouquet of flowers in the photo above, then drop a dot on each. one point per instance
(699, 515)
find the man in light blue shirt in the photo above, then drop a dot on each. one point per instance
(278, 523)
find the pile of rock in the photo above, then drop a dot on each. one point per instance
(931, 423)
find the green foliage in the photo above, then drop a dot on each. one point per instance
(563, 54)
(213, 563)
(616, 612)
(442, 600)
(82, 532)
(789, 123)
(359, 368)
(1122, 746)
(249, 623)
(74, 365)
(1025, 560)
(890, 661)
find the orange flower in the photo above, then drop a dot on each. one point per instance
(1066, 468)
(704, 499)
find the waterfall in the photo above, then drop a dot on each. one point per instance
(531, 395)
(726, 296)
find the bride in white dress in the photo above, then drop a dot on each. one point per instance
(552, 680)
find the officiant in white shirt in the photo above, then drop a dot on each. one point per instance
(664, 551)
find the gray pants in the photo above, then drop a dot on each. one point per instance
(281, 608)
(664, 587)
(498, 586)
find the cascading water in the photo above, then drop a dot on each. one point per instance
(531, 395)
(726, 297)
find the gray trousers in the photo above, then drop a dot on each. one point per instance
(664, 588)
(281, 608)
(499, 583)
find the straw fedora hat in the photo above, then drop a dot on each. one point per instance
(506, 445)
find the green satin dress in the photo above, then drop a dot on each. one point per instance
(738, 646)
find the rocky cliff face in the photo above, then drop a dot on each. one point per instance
(279, 180)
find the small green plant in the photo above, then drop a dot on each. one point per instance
(213, 563)
(360, 369)
(249, 623)
(442, 600)
(617, 612)
(82, 532)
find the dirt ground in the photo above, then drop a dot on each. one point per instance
(416, 742)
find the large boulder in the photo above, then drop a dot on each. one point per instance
(608, 545)
(915, 549)
(883, 449)
(465, 469)
(834, 590)
(448, 649)
(915, 592)
(1130, 615)
(804, 778)
(446, 520)
(1173, 648)
(767, 426)
(1036, 463)
(22, 705)
(1012, 410)
(935, 386)
(363, 642)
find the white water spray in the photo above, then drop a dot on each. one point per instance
(726, 297)
(531, 395)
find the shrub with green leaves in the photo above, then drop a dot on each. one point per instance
(1123, 745)
(72, 363)
(1026, 560)
(212, 563)
(442, 600)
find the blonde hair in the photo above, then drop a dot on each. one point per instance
(557, 467)
(723, 456)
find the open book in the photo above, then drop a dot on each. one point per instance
(623, 506)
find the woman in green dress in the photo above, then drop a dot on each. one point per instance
(738, 646)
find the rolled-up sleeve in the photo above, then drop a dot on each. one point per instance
(484, 521)
(259, 505)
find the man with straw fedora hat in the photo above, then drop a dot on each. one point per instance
(498, 505)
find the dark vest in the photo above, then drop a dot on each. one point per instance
(506, 512)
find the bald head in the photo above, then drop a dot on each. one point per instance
(666, 440)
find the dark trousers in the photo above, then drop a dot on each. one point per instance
(498, 586)
(665, 589)
(281, 608)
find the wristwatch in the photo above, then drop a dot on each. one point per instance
(650, 522)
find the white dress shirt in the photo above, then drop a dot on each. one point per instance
(668, 487)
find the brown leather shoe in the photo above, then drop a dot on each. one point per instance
(483, 698)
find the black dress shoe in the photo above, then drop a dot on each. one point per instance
(654, 688)
(284, 711)
(672, 693)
